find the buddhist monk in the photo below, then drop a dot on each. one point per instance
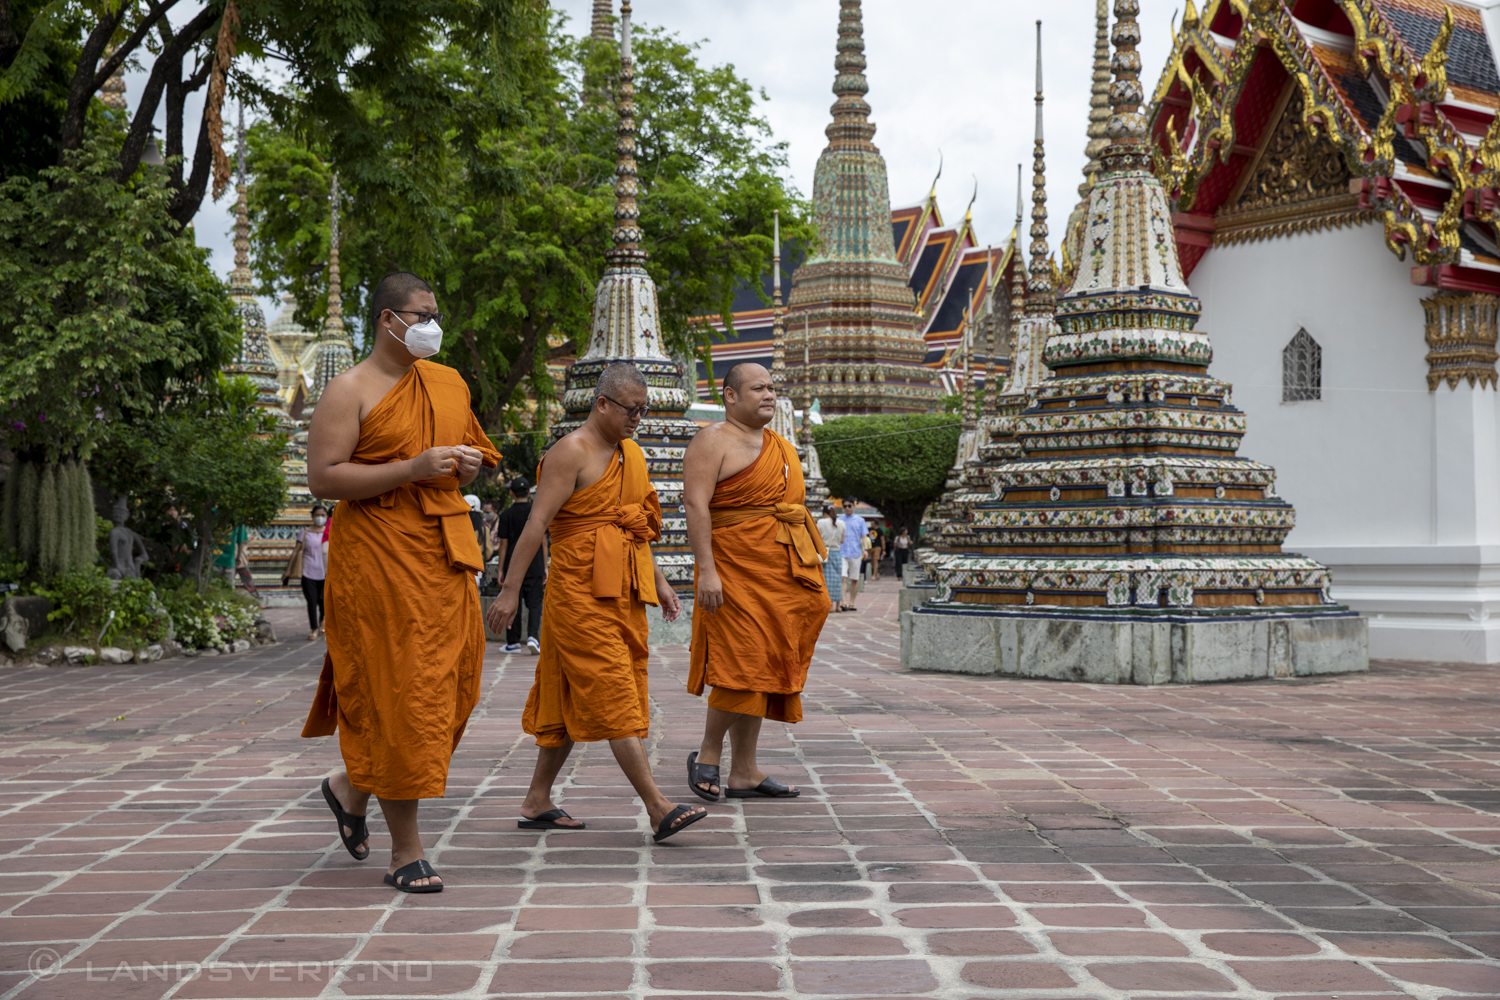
(761, 600)
(594, 493)
(394, 438)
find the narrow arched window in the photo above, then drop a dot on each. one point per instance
(1301, 369)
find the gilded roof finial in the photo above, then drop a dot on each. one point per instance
(932, 188)
(1039, 284)
(239, 278)
(1098, 98)
(1127, 125)
(333, 326)
(627, 235)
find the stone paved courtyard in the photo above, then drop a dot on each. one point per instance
(958, 837)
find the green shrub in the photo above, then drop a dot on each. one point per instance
(82, 603)
(898, 463)
(213, 618)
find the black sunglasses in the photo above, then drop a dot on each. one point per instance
(633, 412)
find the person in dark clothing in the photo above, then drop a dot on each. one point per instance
(508, 528)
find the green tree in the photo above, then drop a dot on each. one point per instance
(219, 458)
(898, 463)
(512, 223)
(109, 306)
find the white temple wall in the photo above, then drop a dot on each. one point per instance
(1397, 488)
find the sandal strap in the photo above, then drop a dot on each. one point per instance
(419, 868)
(551, 815)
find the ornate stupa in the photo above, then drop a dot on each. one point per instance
(292, 347)
(1130, 543)
(254, 360)
(625, 327)
(851, 297)
(335, 354)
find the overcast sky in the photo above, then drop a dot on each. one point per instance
(955, 75)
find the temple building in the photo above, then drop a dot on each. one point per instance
(1333, 171)
(625, 327)
(1129, 542)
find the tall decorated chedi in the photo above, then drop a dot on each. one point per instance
(335, 354)
(625, 327)
(785, 421)
(851, 297)
(1098, 139)
(1129, 543)
(254, 360)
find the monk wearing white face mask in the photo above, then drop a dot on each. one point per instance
(394, 439)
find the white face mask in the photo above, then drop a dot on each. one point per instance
(423, 339)
(319, 520)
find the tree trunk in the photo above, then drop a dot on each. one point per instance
(530, 333)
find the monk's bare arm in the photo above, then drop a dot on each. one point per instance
(700, 477)
(558, 480)
(335, 434)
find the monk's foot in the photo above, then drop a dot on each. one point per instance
(703, 775)
(345, 799)
(759, 785)
(414, 878)
(741, 782)
(666, 818)
(532, 808)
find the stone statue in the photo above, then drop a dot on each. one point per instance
(127, 550)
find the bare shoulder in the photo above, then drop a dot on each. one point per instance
(709, 440)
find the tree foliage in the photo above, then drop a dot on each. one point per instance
(898, 463)
(59, 55)
(510, 214)
(109, 307)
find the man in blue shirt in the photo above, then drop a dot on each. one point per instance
(852, 551)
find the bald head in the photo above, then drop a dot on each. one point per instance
(735, 377)
(618, 379)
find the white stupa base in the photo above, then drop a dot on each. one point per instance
(1133, 647)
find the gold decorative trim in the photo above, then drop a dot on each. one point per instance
(1271, 222)
(1461, 332)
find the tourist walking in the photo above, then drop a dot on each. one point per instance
(853, 551)
(594, 493)
(877, 551)
(395, 439)
(831, 530)
(760, 600)
(902, 549)
(509, 525)
(307, 564)
(234, 560)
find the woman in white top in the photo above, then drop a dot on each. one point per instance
(903, 550)
(308, 562)
(832, 531)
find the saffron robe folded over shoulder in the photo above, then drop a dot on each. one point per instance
(591, 674)
(405, 637)
(754, 650)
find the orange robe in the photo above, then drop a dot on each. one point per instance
(755, 649)
(591, 674)
(405, 638)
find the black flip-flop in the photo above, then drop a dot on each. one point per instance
(698, 773)
(665, 829)
(404, 876)
(548, 821)
(768, 789)
(356, 823)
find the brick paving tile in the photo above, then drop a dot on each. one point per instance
(957, 836)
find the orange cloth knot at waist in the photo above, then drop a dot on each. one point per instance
(622, 537)
(796, 531)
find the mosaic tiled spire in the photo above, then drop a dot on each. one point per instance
(1040, 293)
(1130, 496)
(966, 391)
(625, 326)
(602, 30)
(784, 422)
(867, 352)
(335, 355)
(254, 360)
(1098, 98)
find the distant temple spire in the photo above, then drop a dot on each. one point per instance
(254, 360)
(335, 354)
(1040, 299)
(778, 330)
(333, 326)
(867, 353)
(602, 28)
